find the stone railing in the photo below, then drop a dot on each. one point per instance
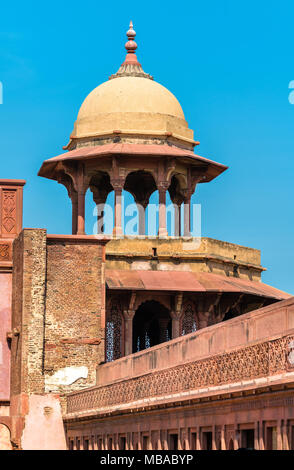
(259, 360)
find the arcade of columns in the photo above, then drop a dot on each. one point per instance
(120, 173)
(183, 313)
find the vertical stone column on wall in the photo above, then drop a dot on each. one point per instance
(140, 446)
(285, 433)
(177, 220)
(28, 306)
(260, 435)
(279, 435)
(128, 322)
(186, 440)
(159, 446)
(236, 439)
(141, 205)
(176, 315)
(118, 187)
(187, 214)
(74, 203)
(11, 196)
(213, 444)
(198, 438)
(81, 212)
(162, 229)
(222, 438)
(256, 436)
(164, 440)
(81, 186)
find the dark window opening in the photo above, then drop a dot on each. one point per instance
(247, 438)
(271, 438)
(145, 442)
(122, 445)
(173, 442)
(151, 325)
(207, 440)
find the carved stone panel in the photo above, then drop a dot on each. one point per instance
(8, 211)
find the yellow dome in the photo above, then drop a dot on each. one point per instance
(131, 105)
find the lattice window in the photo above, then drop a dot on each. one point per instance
(114, 325)
(188, 319)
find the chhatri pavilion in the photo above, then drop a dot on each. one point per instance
(137, 342)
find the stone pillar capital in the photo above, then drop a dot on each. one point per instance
(129, 314)
(175, 314)
(162, 186)
(117, 183)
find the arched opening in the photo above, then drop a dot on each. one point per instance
(5, 442)
(151, 325)
(176, 192)
(141, 185)
(97, 211)
(231, 445)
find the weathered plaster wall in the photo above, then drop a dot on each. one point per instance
(43, 427)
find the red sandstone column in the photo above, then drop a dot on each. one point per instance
(74, 202)
(159, 446)
(128, 320)
(149, 444)
(186, 439)
(198, 440)
(139, 441)
(223, 443)
(162, 230)
(285, 436)
(141, 216)
(116, 447)
(180, 447)
(279, 436)
(187, 216)
(256, 440)
(81, 213)
(177, 230)
(236, 442)
(176, 316)
(164, 440)
(261, 438)
(213, 445)
(117, 229)
(131, 441)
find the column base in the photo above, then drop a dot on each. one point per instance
(117, 232)
(162, 232)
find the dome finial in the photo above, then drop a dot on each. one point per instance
(131, 45)
(131, 67)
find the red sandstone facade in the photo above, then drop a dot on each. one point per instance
(137, 343)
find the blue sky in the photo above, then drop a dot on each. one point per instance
(229, 64)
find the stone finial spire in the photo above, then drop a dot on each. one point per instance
(131, 67)
(131, 45)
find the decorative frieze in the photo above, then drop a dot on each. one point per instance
(259, 360)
